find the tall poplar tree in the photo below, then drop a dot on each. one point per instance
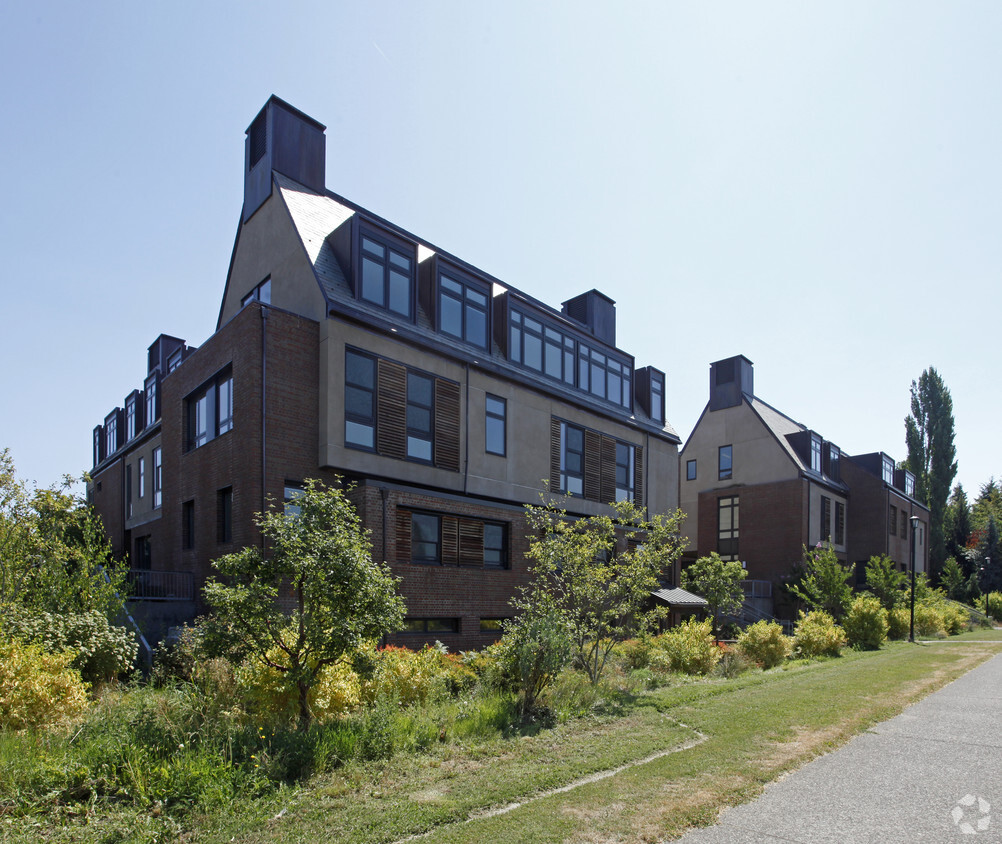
(929, 432)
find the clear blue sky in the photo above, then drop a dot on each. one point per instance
(815, 186)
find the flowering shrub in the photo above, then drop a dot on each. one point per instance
(817, 634)
(765, 643)
(688, 648)
(866, 623)
(38, 688)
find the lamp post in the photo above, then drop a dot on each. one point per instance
(988, 592)
(911, 629)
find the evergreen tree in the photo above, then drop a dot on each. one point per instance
(957, 524)
(990, 553)
(929, 433)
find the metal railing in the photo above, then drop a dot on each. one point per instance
(150, 585)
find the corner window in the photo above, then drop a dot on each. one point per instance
(260, 293)
(386, 274)
(496, 425)
(210, 410)
(690, 470)
(359, 400)
(462, 310)
(727, 527)
(158, 468)
(724, 462)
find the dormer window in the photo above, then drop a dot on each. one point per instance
(657, 397)
(462, 309)
(386, 274)
(834, 463)
(888, 470)
(909, 484)
(816, 453)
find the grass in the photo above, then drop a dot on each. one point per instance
(744, 732)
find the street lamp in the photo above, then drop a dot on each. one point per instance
(988, 592)
(911, 629)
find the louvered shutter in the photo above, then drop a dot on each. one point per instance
(391, 404)
(608, 470)
(403, 536)
(593, 466)
(554, 455)
(447, 425)
(450, 540)
(471, 542)
(638, 475)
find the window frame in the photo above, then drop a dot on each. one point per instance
(728, 538)
(415, 433)
(816, 459)
(390, 245)
(725, 474)
(261, 292)
(500, 418)
(158, 468)
(690, 470)
(839, 522)
(466, 303)
(351, 417)
(565, 474)
(826, 518)
(209, 410)
(141, 473)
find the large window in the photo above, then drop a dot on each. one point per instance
(210, 410)
(439, 539)
(496, 424)
(462, 310)
(563, 357)
(725, 463)
(727, 527)
(111, 435)
(158, 477)
(594, 466)
(387, 273)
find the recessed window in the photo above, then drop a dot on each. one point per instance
(430, 625)
(359, 400)
(625, 471)
(224, 515)
(420, 412)
(426, 538)
(142, 476)
(727, 527)
(128, 491)
(816, 453)
(175, 359)
(826, 518)
(210, 410)
(724, 462)
(657, 396)
(158, 479)
(492, 625)
(143, 557)
(292, 493)
(892, 520)
(887, 467)
(152, 404)
(839, 523)
(462, 309)
(387, 273)
(690, 470)
(571, 459)
(496, 425)
(188, 525)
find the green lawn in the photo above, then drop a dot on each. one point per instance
(685, 751)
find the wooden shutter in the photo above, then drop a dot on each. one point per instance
(593, 466)
(471, 542)
(450, 540)
(638, 475)
(391, 410)
(403, 536)
(608, 484)
(447, 425)
(554, 454)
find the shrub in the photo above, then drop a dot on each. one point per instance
(269, 692)
(765, 643)
(866, 623)
(38, 688)
(534, 648)
(929, 621)
(995, 606)
(415, 676)
(636, 653)
(688, 648)
(817, 634)
(898, 623)
(101, 650)
(732, 662)
(956, 618)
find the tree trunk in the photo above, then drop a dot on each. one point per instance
(305, 716)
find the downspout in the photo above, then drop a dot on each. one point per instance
(466, 449)
(384, 493)
(264, 409)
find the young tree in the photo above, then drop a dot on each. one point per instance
(321, 559)
(929, 433)
(824, 584)
(601, 593)
(719, 582)
(953, 581)
(887, 584)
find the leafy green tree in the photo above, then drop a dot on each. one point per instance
(824, 583)
(54, 555)
(929, 433)
(602, 593)
(320, 562)
(887, 584)
(953, 580)
(719, 582)
(957, 525)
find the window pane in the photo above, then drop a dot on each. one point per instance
(533, 351)
(264, 292)
(515, 345)
(451, 285)
(597, 380)
(360, 370)
(373, 247)
(419, 419)
(358, 402)
(424, 527)
(495, 406)
(553, 359)
(441, 625)
(418, 449)
(400, 293)
(451, 316)
(372, 282)
(358, 434)
(419, 389)
(476, 326)
(399, 260)
(575, 438)
(495, 435)
(476, 297)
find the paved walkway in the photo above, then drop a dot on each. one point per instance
(933, 773)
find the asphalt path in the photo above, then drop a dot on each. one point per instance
(933, 773)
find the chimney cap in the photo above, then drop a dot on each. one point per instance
(278, 101)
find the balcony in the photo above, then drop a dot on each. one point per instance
(150, 585)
